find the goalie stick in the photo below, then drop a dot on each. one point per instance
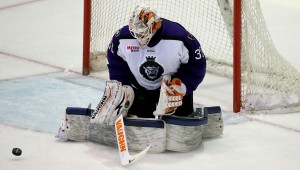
(125, 157)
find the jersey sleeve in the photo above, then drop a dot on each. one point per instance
(118, 68)
(193, 72)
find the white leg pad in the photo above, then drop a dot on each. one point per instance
(183, 138)
(184, 134)
(214, 126)
(138, 138)
(77, 127)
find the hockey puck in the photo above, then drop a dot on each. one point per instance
(17, 151)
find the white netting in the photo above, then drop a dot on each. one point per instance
(264, 71)
(268, 80)
(108, 16)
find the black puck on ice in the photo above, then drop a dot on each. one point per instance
(17, 151)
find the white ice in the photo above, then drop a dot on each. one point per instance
(40, 65)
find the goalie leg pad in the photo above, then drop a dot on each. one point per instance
(75, 125)
(102, 133)
(214, 126)
(142, 132)
(184, 134)
(139, 133)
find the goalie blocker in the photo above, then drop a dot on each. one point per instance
(172, 133)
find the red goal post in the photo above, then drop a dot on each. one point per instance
(233, 35)
(237, 40)
(86, 37)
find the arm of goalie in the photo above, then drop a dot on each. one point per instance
(171, 95)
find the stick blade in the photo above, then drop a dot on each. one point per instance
(134, 158)
(125, 157)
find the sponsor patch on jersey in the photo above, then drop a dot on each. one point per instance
(133, 48)
(151, 51)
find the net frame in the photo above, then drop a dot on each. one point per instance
(237, 45)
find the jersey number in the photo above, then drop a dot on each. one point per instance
(111, 47)
(199, 54)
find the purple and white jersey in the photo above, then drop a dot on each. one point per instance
(172, 50)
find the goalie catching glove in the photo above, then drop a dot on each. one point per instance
(117, 99)
(171, 95)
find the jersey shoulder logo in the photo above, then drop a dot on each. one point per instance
(150, 69)
(191, 37)
(117, 33)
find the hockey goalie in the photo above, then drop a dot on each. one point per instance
(154, 66)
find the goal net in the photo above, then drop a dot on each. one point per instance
(268, 81)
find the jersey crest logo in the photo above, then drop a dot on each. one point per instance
(150, 69)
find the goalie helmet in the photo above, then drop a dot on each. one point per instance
(143, 24)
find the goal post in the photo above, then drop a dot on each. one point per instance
(237, 40)
(86, 37)
(233, 35)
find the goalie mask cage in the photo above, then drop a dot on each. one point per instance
(233, 36)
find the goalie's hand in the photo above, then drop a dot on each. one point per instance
(176, 90)
(171, 96)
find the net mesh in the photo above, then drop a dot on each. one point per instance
(265, 73)
(268, 80)
(208, 26)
